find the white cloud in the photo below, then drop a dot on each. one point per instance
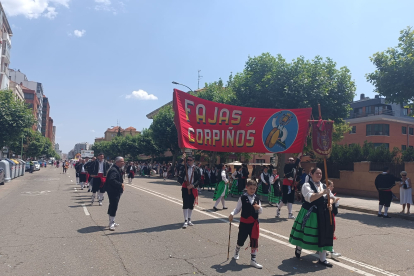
(33, 9)
(79, 33)
(141, 95)
(51, 13)
(103, 2)
(92, 130)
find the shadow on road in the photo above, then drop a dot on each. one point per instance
(373, 220)
(91, 229)
(162, 228)
(304, 265)
(231, 266)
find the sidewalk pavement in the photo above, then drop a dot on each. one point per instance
(370, 206)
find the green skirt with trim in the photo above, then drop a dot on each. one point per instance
(308, 238)
(272, 197)
(235, 188)
(260, 190)
(220, 189)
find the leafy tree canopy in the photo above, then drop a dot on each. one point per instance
(15, 117)
(393, 77)
(272, 82)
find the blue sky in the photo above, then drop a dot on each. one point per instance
(91, 55)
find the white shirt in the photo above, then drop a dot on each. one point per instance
(101, 168)
(83, 168)
(234, 175)
(223, 176)
(307, 191)
(251, 200)
(189, 173)
(272, 179)
(262, 178)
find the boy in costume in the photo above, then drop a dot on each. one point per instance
(250, 207)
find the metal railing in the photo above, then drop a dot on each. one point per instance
(380, 112)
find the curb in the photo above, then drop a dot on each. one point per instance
(368, 211)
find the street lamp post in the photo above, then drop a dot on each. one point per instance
(174, 82)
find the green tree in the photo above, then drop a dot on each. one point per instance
(164, 133)
(15, 117)
(146, 143)
(394, 73)
(271, 82)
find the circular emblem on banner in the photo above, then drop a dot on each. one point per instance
(280, 131)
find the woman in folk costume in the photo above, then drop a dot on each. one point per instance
(264, 187)
(243, 180)
(237, 178)
(312, 229)
(207, 178)
(275, 195)
(222, 190)
(213, 177)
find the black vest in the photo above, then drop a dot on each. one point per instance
(238, 175)
(320, 202)
(247, 208)
(266, 178)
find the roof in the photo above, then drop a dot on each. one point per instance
(114, 129)
(131, 128)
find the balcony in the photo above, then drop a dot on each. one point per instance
(6, 53)
(6, 37)
(379, 112)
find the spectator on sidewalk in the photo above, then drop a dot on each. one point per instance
(384, 182)
(406, 196)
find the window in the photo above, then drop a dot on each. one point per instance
(411, 131)
(378, 129)
(28, 96)
(410, 147)
(377, 145)
(404, 130)
(368, 109)
(403, 147)
(405, 111)
(260, 160)
(353, 130)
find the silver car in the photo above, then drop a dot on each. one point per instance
(36, 166)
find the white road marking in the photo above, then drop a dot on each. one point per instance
(85, 210)
(224, 219)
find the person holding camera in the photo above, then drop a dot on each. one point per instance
(406, 193)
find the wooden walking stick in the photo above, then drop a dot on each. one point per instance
(228, 247)
(326, 174)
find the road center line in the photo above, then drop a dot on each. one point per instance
(224, 219)
(85, 210)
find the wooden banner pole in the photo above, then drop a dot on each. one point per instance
(326, 174)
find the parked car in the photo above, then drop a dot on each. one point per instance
(2, 176)
(36, 166)
(27, 168)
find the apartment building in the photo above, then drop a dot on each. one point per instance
(17, 90)
(381, 123)
(31, 99)
(5, 38)
(21, 78)
(111, 133)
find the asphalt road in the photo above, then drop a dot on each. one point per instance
(49, 228)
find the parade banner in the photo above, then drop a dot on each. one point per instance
(211, 126)
(322, 138)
